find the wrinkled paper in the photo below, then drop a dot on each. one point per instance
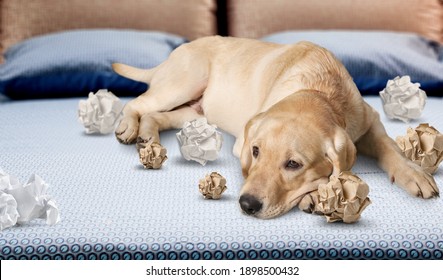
(8, 211)
(424, 146)
(21, 204)
(212, 186)
(101, 112)
(403, 99)
(343, 198)
(199, 141)
(152, 155)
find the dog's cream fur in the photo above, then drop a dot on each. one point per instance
(294, 110)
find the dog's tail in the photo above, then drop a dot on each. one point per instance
(133, 73)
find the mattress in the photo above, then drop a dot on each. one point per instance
(113, 208)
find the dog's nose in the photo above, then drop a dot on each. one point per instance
(250, 204)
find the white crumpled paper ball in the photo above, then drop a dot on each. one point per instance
(101, 112)
(34, 202)
(22, 203)
(8, 211)
(199, 141)
(403, 99)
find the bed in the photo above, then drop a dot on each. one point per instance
(111, 208)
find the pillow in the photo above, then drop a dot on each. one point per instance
(374, 57)
(22, 19)
(257, 18)
(74, 63)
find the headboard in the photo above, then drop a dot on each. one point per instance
(257, 18)
(22, 19)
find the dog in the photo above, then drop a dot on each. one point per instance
(296, 113)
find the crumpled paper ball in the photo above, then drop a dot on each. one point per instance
(101, 112)
(31, 201)
(152, 155)
(8, 211)
(403, 99)
(212, 186)
(424, 146)
(343, 198)
(199, 141)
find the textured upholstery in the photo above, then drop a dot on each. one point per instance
(21, 19)
(257, 18)
(112, 208)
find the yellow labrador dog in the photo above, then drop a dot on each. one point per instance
(296, 114)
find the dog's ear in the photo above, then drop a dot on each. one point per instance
(246, 153)
(341, 151)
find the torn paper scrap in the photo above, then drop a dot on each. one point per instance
(343, 198)
(212, 186)
(101, 112)
(403, 99)
(152, 155)
(424, 146)
(199, 141)
(31, 201)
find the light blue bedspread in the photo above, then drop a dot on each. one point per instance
(111, 208)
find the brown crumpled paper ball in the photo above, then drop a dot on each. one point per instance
(212, 186)
(424, 146)
(152, 155)
(343, 198)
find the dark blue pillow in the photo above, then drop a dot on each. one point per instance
(372, 58)
(77, 62)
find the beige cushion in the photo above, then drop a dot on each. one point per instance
(256, 18)
(21, 19)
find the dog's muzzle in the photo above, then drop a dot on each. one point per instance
(249, 204)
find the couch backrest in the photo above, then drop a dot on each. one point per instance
(22, 19)
(257, 18)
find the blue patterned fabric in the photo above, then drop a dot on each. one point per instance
(75, 63)
(372, 58)
(112, 208)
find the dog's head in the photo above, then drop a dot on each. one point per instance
(288, 151)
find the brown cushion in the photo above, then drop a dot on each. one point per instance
(256, 18)
(21, 19)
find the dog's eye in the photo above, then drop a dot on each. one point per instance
(255, 151)
(291, 164)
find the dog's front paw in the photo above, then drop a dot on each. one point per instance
(127, 131)
(308, 203)
(415, 181)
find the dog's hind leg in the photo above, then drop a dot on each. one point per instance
(180, 79)
(152, 123)
(402, 171)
